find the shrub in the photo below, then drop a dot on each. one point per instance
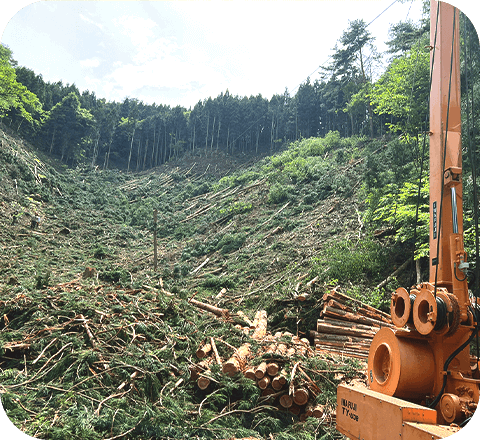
(277, 194)
(366, 260)
(231, 242)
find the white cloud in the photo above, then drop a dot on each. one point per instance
(88, 20)
(92, 62)
(138, 29)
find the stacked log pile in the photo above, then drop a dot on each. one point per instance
(347, 326)
(270, 366)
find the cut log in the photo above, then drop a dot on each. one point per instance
(203, 351)
(238, 361)
(260, 370)
(222, 313)
(260, 325)
(295, 409)
(318, 411)
(203, 382)
(215, 351)
(323, 327)
(372, 314)
(264, 382)
(272, 368)
(278, 382)
(286, 401)
(348, 301)
(250, 373)
(300, 396)
(196, 369)
(309, 409)
(281, 349)
(352, 317)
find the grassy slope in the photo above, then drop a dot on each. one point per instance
(263, 228)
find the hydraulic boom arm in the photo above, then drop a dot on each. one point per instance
(421, 381)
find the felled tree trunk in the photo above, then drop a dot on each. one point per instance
(260, 325)
(238, 361)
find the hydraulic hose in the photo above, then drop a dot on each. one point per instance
(452, 356)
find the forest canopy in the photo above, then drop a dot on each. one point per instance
(354, 95)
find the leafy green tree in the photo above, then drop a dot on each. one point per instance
(397, 208)
(403, 90)
(16, 101)
(353, 61)
(68, 128)
(403, 36)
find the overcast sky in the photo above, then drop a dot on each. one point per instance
(180, 52)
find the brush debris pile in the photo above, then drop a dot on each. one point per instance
(108, 362)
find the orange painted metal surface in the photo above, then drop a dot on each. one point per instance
(366, 414)
(433, 319)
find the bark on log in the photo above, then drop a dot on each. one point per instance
(250, 373)
(238, 361)
(267, 392)
(323, 327)
(260, 370)
(344, 299)
(295, 409)
(361, 354)
(341, 338)
(352, 317)
(215, 351)
(203, 351)
(394, 274)
(223, 313)
(347, 324)
(261, 325)
(312, 282)
(359, 311)
(345, 345)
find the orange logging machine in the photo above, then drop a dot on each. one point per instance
(423, 382)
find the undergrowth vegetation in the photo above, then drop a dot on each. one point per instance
(241, 240)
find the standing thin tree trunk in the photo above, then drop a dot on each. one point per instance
(218, 131)
(206, 138)
(193, 143)
(213, 135)
(95, 151)
(138, 155)
(53, 139)
(131, 146)
(152, 160)
(145, 155)
(165, 142)
(228, 137)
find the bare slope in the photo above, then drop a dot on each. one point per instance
(110, 354)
